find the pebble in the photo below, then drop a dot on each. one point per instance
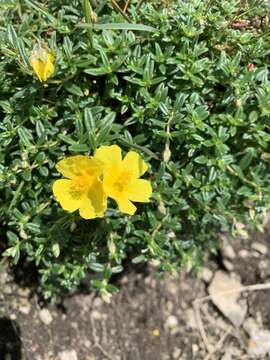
(24, 292)
(206, 275)
(171, 287)
(25, 309)
(228, 252)
(13, 316)
(259, 247)
(191, 318)
(195, 348)
(243, 253)
(228, 265)
(68, 355)
(176, 353)
(96, 315)
(171, 322)
(97, 302)
(45, 316)
(259, 342)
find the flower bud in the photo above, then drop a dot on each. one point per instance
(41, 61)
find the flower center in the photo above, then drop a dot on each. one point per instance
(80, 186)
(122, 181)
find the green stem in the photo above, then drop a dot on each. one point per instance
(16, 195)
(87, 10)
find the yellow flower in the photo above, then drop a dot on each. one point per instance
(82, 189)
(42, 61)
(121, 177)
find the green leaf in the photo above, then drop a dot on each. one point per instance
(139, 259)
(79, 148)
(25, 136)
(105, 128)
(40, 9)
(74, 89)
(201, 159)
(119, 26)
(96, 267)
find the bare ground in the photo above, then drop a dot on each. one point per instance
(150, 319)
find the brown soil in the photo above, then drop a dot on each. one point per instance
(150, 318)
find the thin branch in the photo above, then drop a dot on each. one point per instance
(255, 287)
(126, 6)
(196, 305)
(117, 8)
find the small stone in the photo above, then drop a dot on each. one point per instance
(264, 267)
(25, 309)
(176, 353)
(96, 315)
(45, 316)
(228, 252)
(8, 289)
(124, 280)
(171, 322)
(259, 342)
(206, 275)
(24, 292)
(13, 316)
(97, 302)
(243, 253)
(225, 299)
(191, 318)
(90, 357)
(195, 348)
(169, 307)
(228, 265)
(227, 356)
(171, 286)
(68, 355)
(259, 247)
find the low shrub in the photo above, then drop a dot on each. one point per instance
(183, 83)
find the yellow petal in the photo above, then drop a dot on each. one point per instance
(38, 67)
(111, 156)
(42, 63)
(134, 163)
(139, 190)
(62, 190)
(94, 203)
(86, 210)
(48, 68)
(79, 165)
(126, 206)
(98, 198)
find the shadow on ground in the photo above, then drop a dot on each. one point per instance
(10, 340)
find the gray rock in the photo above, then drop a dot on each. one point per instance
(259, 339)
(206, 275)
(225, 300)
(45, 316)
(228, 252)
(259, 247)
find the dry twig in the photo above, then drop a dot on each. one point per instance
(117, 8)
(126, 6)
(197, 303)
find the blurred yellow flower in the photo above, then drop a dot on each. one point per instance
(121, 177)
(42, 62)
(82, 190)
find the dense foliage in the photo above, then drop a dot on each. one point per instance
(188, 88)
